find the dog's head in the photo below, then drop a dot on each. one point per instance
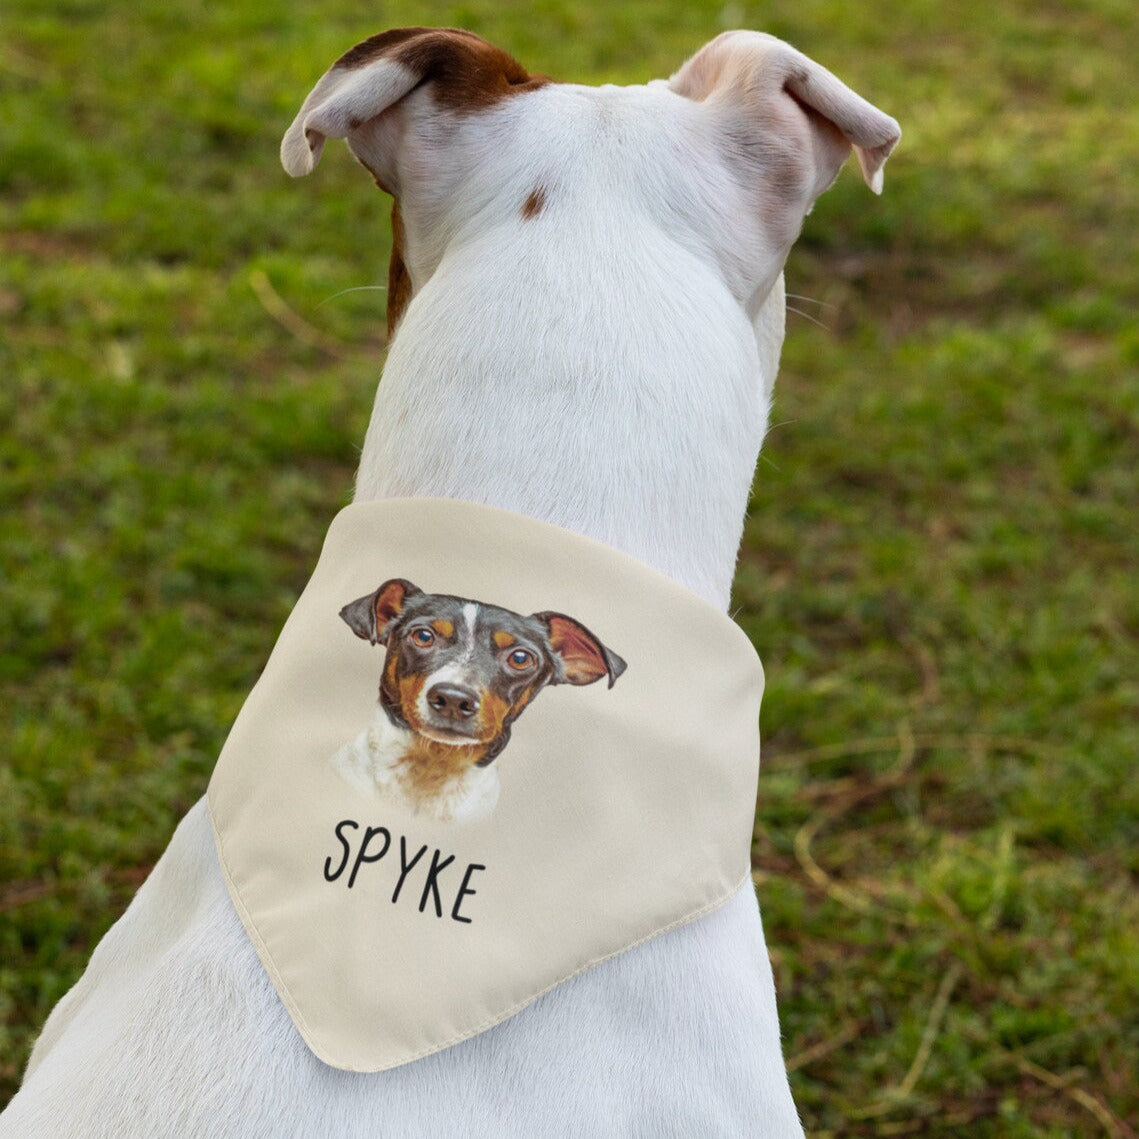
(461, 672)
(723, 160)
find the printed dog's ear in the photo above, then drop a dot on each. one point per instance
(369, 617)
(767, 94)
(583, 658)
(463, 71)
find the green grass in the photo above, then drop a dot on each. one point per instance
(940, 562)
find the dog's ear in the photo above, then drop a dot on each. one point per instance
(369, 617)
(463, 72)
(583, 658)
(784, 116)
(397, 99)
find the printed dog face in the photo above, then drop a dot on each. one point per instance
(459, 672)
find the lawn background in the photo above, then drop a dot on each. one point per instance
(940, 562)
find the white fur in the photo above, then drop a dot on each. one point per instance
(175, 1031)
(607, 366)
(641, 363)
(371, 763)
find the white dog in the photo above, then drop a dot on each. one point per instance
(587, 284)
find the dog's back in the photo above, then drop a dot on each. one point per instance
(589, 310)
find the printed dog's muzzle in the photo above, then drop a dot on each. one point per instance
(403, 890)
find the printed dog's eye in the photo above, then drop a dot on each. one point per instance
(520, 659)
(421, 637)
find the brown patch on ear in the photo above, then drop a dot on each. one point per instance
(468, 73)
(399, 280)
(532, 207)
(375, 46)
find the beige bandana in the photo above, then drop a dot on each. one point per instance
(485, 754)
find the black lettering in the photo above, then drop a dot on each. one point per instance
(405, 867)
(431, 885)
(464, 890)
(347, 850)
(376, 843)
(363, 856)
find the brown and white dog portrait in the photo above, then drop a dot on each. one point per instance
(456, 676)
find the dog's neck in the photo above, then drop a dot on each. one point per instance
(605, 365)
(634, 419)
(586, 282)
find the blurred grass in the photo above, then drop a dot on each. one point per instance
(939, 566)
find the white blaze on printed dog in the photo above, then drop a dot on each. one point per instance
(456, 672)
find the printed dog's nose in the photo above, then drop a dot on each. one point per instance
(452, 702)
